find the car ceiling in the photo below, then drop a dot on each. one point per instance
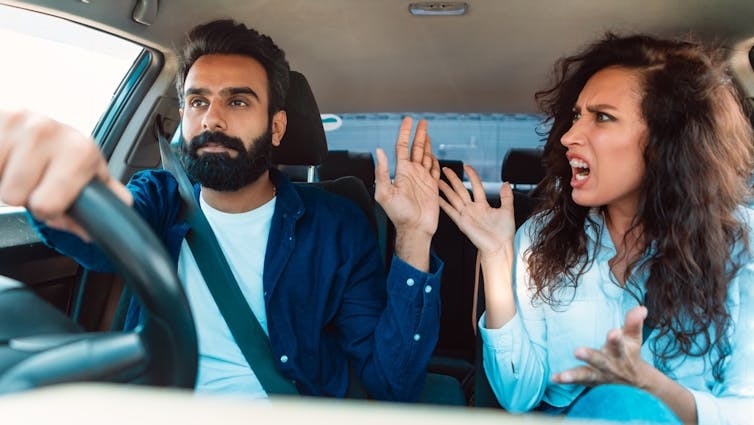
(373, 56)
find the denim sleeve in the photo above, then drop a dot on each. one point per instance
(390, 326)
(68, 244)
(151, 191)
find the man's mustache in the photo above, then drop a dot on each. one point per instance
(216, 138)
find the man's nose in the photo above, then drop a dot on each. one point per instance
(214, 119)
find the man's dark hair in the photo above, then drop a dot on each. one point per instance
(227, 37)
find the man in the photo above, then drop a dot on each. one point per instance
(307, 261)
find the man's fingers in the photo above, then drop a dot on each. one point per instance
(381, 175)
(428, 159)
(50, 198)
(22, 171)
(404, 134)
(420, 139)
(435, 171)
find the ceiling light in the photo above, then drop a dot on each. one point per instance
(438, 8)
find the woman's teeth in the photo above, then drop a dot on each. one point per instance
(581, 169)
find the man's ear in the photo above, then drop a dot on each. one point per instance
(279, 122)
(180, 112)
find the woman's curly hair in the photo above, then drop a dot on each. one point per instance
(698, 161)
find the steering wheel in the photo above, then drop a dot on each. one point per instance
(40, 346)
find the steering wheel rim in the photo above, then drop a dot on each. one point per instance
(167, 328)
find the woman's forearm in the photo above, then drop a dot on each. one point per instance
(674, 395)
(498, 287)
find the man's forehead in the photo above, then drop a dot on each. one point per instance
(225, 72)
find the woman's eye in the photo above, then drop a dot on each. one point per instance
(576, 116)
(603, 117)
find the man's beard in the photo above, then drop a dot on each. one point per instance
(218, 171)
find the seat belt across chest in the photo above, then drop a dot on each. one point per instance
(243, 325)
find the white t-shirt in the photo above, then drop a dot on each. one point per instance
(243, 239)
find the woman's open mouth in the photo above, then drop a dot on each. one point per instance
(580, 170)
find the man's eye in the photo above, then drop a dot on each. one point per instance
(197, 103)
(238, 102)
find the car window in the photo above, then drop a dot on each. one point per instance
(60, 68)
(480, 140)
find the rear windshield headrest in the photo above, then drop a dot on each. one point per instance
(523, 166)
(304, 142)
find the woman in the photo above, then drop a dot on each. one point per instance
(642, 233)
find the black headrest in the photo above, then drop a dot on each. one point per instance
(304, 142)
(345, 163)
(453, 164)
(523, 166)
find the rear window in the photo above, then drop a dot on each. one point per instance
(480, 140)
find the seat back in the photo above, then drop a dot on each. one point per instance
(305, 144)
(522, 168)
(341, 163)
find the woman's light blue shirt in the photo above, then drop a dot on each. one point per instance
(540, 340)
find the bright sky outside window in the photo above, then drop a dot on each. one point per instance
(60, 68)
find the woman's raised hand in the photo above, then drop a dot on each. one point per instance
(490, 229)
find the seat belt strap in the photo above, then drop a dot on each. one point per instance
(244, 326)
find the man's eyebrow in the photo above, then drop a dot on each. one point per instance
(240, 90)
(201, 92)
(229, 91)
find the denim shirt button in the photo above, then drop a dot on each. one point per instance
(417, 337)
(410, 282)
(428, 289)
(283, 359)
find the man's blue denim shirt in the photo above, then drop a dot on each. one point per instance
(327, 297)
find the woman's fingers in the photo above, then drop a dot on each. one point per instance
(457, 185)
(451, 211)
(583, 375)
(476, 184)
(506, 196)
(453, 198)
